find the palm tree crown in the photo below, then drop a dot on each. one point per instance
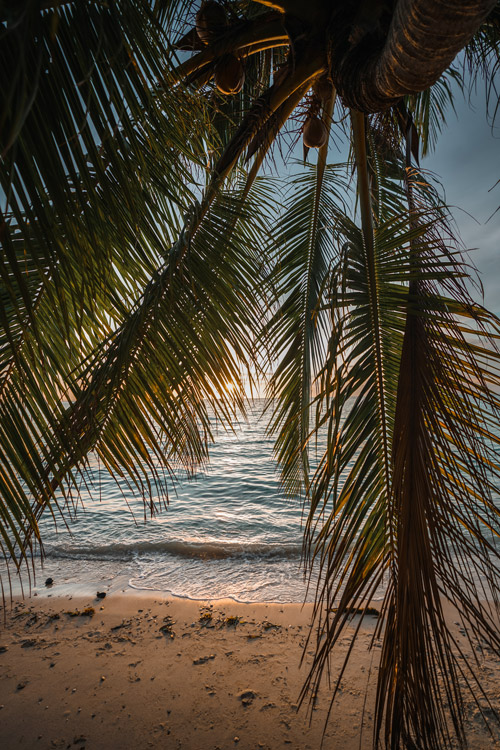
(146, 264)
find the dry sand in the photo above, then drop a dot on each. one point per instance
(144, 672)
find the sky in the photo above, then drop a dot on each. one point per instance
(467, 160)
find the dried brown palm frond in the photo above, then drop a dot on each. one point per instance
(412, 362)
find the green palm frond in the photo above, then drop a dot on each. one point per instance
(297, 327)
(106, 180)
(482, 59)
(144, 397)
(430, 108)
(443, 466)
(445, 458)
(355, 407)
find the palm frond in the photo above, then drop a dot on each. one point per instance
(91, 169)
(297, 327)
(482, 60)
(404, 531)
(143, 398)
(355, 406)
(430, 108)
(445, 458)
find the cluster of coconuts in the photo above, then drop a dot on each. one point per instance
(229, 75)
(211, 22)
(315, 133)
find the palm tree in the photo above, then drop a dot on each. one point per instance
(144, 268)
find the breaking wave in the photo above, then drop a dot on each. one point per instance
(211, 550)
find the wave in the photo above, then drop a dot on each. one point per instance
(214, 550)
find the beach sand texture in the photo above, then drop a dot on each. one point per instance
(145, 672)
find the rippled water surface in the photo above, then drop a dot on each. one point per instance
(229, 532)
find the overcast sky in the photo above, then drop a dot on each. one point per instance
(467, 159)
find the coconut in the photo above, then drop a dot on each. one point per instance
(315, 133)
(323, 88)
(211, 21)
(229, 74)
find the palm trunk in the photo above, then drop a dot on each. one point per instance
(423, 39)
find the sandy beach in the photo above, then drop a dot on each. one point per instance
(141, 672)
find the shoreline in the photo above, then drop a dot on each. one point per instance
(125, 589)
(82, 577)
(146, 671)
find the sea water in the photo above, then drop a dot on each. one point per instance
(229, 531)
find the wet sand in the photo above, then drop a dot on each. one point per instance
(142, 672)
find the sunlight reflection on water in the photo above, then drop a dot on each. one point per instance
(228, 532)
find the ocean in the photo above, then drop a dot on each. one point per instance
(227, 532)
